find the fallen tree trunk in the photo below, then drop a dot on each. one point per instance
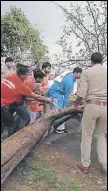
(58, 122)
(17, 146)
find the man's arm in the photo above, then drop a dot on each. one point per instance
(66, 95)
(25, 90)
(82, 89)
(40, 98)
(67, 90)
(29, 99)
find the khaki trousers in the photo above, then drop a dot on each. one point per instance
(94, 118)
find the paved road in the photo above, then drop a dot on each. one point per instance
(70, 143)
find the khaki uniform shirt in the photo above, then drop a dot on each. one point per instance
(93, 84)
(5, 72)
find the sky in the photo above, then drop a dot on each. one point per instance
(46, 16)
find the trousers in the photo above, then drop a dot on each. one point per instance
(15, 123)
(52, 106)
(94, 121)
(34, 116)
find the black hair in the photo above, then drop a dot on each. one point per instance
(21, 66)
(22, 69)
(96, 58)
(77, 70)
(9, 59)
(38, 73)
(46, 64)
(18, 65)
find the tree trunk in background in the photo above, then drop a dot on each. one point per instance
(17, 146)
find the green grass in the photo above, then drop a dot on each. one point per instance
(75, 186)
(69, 186)
(39, 173)
(37, 170)
(62, 186)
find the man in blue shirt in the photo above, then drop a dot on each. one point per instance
(61, 90)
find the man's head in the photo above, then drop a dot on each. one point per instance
(77, 72)
(96, 58)
(30, 71)
(46, 67)
(18, 65)
(38, 75)
(9, 62)
(22, 71)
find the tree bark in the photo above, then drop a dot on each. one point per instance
(17, 146)
(60, 121)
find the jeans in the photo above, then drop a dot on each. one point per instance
(7, 119)
(54, 105)
(15, 123)
(34, 116)
(23, 113)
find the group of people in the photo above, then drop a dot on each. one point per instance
(19, 94)
(25, 90)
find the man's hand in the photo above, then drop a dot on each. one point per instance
(76, 106)
(78, 101)
(49, 100)
(41, 98)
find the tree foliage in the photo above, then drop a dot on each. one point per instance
(87, 20)
(19, 37)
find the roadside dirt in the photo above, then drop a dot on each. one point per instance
(49, 169)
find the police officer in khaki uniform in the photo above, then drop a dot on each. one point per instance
(7, 69)
(93, 89)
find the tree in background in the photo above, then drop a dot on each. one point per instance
(19, 38)
(87, 20)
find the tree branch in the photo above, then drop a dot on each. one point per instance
(95, 25)
(72, 16)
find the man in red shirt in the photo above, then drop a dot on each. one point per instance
(12, 90)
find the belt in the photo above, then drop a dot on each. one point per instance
(97, 102)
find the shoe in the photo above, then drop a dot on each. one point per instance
(61, 131)
(82, 168)
(104, 168)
